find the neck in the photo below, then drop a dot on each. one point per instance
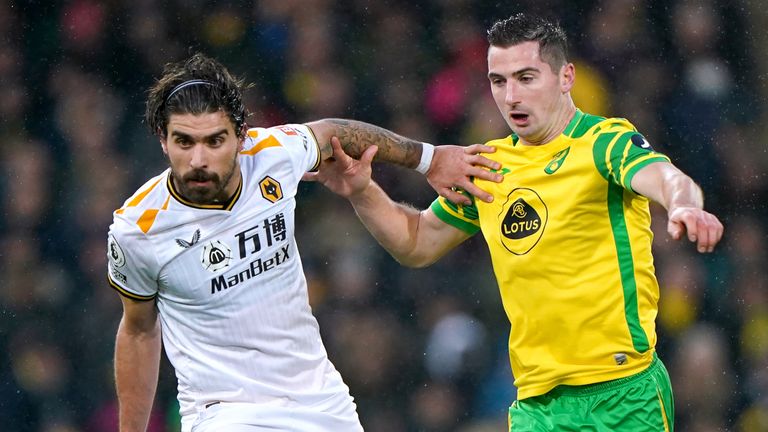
(560, 120)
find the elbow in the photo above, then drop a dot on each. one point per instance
(148, 332)
(139, 328)
(411, 263)
(415, 261)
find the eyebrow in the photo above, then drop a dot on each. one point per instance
(516, 73)
(206, 137)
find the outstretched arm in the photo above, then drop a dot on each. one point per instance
(451, 166)
(137, 363)
(684, 201)
(414, 238)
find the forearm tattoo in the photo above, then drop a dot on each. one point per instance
(356, 136)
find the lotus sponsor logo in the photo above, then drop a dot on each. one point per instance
(523, 220)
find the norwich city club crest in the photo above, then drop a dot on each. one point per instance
(523, 218)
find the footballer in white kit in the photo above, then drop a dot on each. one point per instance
(231, 293)
(206, 263)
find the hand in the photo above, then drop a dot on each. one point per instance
(703, 228)
(341, 173)
(453, 166)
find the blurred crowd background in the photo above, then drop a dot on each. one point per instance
(422, 350)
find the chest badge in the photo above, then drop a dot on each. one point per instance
(270, 189)
(557, 161)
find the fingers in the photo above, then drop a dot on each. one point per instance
(701, 227)
(714, 232)
(483, 161)
(484, 174)
(454, 197)
(476, 159)
(700, 236)
(675, 229)
(691, 228)
(475, 191)
(456, 167)
(719, 231)
(478, 148)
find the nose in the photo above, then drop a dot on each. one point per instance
(512, 97)
(199, 157)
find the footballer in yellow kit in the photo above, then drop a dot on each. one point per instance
(573, 321)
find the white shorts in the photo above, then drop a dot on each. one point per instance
(245, 417)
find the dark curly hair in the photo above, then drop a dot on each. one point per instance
(209, 88)
(519, 28)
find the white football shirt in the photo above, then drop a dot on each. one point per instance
(229, 286)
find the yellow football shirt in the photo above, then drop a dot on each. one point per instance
(570, 244)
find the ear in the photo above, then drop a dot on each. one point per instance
(242, 136)
(163, 140)
(567, 77)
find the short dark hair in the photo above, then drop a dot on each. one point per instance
(519, 28)
(196, 85)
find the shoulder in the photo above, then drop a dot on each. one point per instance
(595, 126)
(294, 143)
(137, 212)
(152, 190)
(619, 150)
(606, 135)
(282, 136)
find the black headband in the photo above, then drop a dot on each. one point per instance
(186, 84)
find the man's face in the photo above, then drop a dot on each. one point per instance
(202, 150)
(528, 93)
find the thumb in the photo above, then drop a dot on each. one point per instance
(309, 176)
(338, 152)
(675, 229)
(369, 154)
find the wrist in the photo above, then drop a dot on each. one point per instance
(427, 152)
(362, 196)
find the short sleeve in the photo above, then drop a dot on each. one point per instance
(463, 217)
(620, 152)
(301, 144)
(297, 140)
(132, 267)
